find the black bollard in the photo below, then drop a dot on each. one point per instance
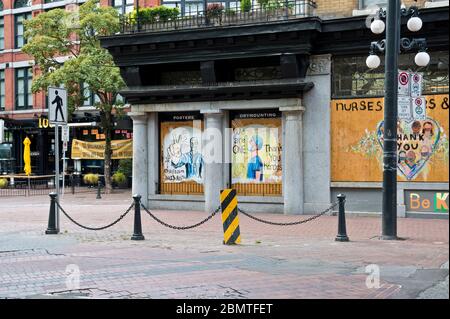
(99, 188)
(137, 233)
(51, 229)
(342, 231)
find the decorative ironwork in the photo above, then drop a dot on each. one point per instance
(284, 10)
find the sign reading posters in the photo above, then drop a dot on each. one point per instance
(256, 152)
(182, 165)
(57, 105)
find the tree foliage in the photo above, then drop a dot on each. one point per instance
(66, 48)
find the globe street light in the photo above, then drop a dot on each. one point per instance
(392, 46)
(373, 61)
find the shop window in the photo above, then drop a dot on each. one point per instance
(1, 5)
(256, 167)
(123, 6)
(2, 90)
(2, 32)
(182, 166)
(181, 77)
(19, 29)
(24, 97)
(257, 73)
(352, 78)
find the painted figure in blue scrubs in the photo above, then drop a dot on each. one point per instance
(192, 160)
(255, 164)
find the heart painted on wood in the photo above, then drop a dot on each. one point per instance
(417, 140)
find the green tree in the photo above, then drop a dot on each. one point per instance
(74, 34)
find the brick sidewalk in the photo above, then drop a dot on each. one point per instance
(300, 261)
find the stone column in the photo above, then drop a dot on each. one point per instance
(293, 160)
(212, 151)
(153, 153)
(140, 154)
(316, 138)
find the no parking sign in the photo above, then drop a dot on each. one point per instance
(403, 83)
(419, 108)
(416, 84)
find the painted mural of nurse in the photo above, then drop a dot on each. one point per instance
(255, 164)
(192, 160)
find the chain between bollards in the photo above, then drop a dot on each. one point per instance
(342, 230)
(137, 232)
(52, 229)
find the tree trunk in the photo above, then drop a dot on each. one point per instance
(107, 127)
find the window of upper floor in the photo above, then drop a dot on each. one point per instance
(351, 78)
(2, 33)
(366, 4)
(123, 6)
(19, 28)
(23, 80)
(2, 90)
(22, 4)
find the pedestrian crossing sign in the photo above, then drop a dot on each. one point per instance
(57, 105)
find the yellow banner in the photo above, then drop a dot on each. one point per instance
(96, 150)
(357, 138)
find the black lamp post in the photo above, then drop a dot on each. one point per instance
(392, 45)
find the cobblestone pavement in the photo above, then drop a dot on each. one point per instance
(300, 261)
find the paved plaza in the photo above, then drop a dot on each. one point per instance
(300, 261)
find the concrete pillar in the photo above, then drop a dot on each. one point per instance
(153, 153)
(213, 156)
(316, 138)
(293, 160)
(140, 153)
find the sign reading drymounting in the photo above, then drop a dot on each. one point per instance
(256, 154)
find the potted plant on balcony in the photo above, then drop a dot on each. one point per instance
(276, 9)
(214, 13)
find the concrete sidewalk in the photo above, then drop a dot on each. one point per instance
(300, 261)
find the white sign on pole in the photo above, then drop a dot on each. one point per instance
(2, 131)
(65, 145)
(419, 108)
(404, 108)
(65, 133)
(57, 105)
(403, 83)
(416, 84)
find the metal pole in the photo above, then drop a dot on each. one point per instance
(63, 173)
(389, 206)
(57, 171)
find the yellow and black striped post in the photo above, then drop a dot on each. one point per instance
(230, 220)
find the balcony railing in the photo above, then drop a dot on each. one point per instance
(277, 10)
